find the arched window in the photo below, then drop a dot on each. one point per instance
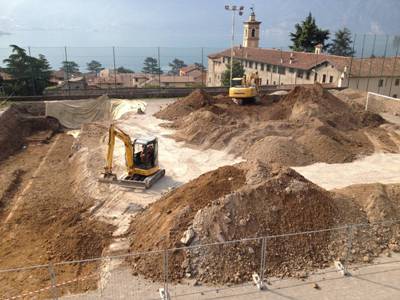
(253, 33)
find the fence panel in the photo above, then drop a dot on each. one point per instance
(26, 283)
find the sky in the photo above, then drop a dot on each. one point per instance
(179, 23)
(89, 28)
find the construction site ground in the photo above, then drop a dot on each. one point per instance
(53, 209)
(368, 282)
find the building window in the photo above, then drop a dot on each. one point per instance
(262, 67)
(274, 82)
(380, 83)
(253, 32)
(315, 77)
(330, 79)
(282, 70)
(274, 69)
(250, 64)
(395, 96)
(267, 81)
(269, 68)
(299, 73)
(308, 75)
(255, 65)
(291, 70)
(323, 78)
(397, 82)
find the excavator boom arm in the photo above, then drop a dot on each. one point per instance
(129, 162)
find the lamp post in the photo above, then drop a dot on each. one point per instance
(233, 9)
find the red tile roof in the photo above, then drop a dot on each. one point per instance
(307, 61)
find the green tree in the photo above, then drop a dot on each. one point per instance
(307, 35)
(150, 66)
(342, 43)
(94, 66)
(30, 75)
(176, 65)
(69, 68)
(237, 71)
(124, 70)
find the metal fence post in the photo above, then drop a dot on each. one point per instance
(32, 75)
(164, 293)
(263, 258)
(202, 67)
(53, 282)
(259, 278)
(383, 61)
(349, 231)
(66, 71)
(371, 62)
(361, 59)
(115, 71)
(393, 69)
(159, 67)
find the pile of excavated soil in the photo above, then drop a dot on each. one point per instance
(321, 127)
(17, 123)
(284, 150)
(251, 200)
(230, 203)
(378, 201)
(182, 107)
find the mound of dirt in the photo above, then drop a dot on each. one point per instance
(284, 150)
(378, 201)
(177, 209)
(182, 107)
(17, 123)
(323, 128)
(257, 200)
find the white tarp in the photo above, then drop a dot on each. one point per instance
(73, 113)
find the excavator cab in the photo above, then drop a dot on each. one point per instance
(145, 152)
(141, 160)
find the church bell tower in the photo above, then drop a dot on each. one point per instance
(251, 33)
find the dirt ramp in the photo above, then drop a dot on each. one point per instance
(257, 200)
(182, 107)
(19, 122)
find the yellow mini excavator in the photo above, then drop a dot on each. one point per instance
(141, 160)
(246, 89)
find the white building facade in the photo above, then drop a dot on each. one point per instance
(277, 67)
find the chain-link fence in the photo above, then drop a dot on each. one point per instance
(86, 71)
(207, 271)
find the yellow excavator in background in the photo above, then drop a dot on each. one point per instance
(246, 89)
(141, 160)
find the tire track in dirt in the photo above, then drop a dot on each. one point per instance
(29, 184)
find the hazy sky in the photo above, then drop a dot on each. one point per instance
(179, 23)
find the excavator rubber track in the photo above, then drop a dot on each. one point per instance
(136, 182)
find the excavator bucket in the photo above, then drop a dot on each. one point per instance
(133, 181)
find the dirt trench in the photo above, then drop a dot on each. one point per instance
(45, 218)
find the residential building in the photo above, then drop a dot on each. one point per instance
(177, 81)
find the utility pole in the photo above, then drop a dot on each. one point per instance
(233, 9)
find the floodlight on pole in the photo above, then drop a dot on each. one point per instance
(233, 9)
